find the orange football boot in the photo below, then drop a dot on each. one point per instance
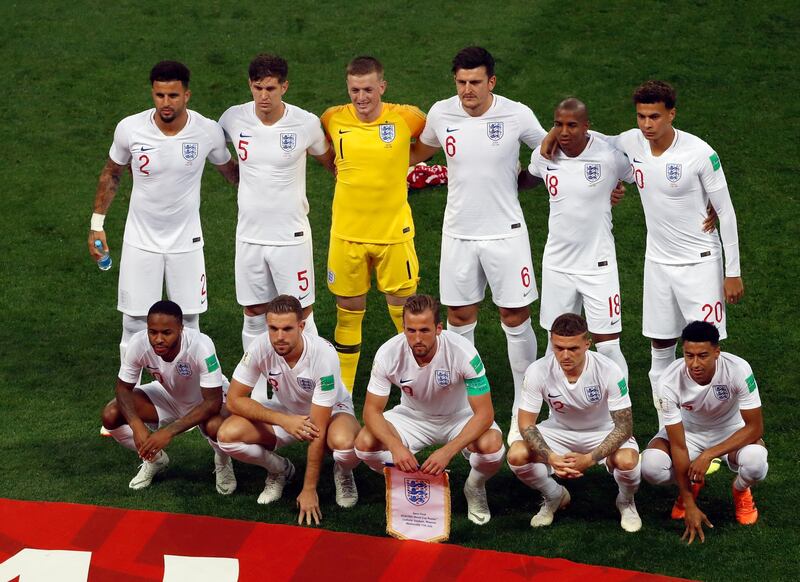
(745, 507)
(678, 509)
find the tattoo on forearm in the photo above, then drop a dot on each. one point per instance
(107, 188)
(623, 428)
(536, 443)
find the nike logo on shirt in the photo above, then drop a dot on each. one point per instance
(553, 395)
(405, 381)
(242, 134)
(549, 169)
(448, 130)
(635, 161)
(341, 131)
(147, 149)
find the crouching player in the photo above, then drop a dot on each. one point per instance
(309, 403)
(590, 423)
(445, 401)
(711, 408)
(187, 391)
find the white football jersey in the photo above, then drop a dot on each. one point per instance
(583, 405)
(675, 188)
(164, 212)
(579, 238)
(273, 207)
(196, 366)
(712, 407)
(482, 156)
(315, 378)
(437, 389)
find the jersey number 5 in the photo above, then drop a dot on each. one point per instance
(242, 147)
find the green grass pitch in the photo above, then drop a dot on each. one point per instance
(72, 70)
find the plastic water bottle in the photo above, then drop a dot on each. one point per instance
(104, 262)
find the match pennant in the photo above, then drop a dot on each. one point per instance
(417, 505)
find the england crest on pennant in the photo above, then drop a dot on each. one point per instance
(386, 132)
(190, 151)
(443, 378)
(288, 141)
(591, 172)
(418, 491)
(722, 392)
(674, 172)
(592, 393)
(494, 129)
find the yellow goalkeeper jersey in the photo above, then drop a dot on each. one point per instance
(370, 202)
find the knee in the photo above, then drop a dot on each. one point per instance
(366, 442)
(513, 317)
(626, 459)
(111, 416)
(490, 442)
(752, 461)
(340, 440)
(518, 454)
(462, 315)
(656, 467)
(211, 426)
(228, 432)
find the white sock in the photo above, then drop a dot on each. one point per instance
(192, 320)
(311, 327)
(346, 459)
(612, 350)
(130, 326)
(484, 466)
(536, 476)
(221, 458)
(628, 481)
(467, 331)
(124, 436)
(521, 353)
(656, 467)
(255, 455)
(753, 466)
(660, 359)
(252, 327)
(375, 460)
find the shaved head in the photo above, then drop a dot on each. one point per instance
(575, 106)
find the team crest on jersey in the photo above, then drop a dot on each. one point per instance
(494, 129)
(592, 393)
(674, 172)
(306, 384)
(190, 151)
(591, 172)
(418, 491)
(184, 369)
(443, 378)
(722, 392)
(288, 141)
(386, 131)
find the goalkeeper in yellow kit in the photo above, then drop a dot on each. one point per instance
(372, 228)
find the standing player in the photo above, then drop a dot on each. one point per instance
(273, 236)
(579, 266)
(484, 236)
(372, 228)
(677, 175)
(309, 403)
(711, 409)
(187, 391)
(590, 423)
(445, 401)
(166, 149)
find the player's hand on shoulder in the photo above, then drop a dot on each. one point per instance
(436, 462)
(549, 144)
(734, 289)
(93, 250)
(694, 521)
(404, 459)
(618, 193)
(308, 503)
(301, 427)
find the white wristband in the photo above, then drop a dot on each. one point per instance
(97, 221)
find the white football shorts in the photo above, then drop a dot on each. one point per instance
(418, 430)
(675, 295)
(142, 275)
(598, 295)
(467, 266)
(169, 409)
(697, 442)
(265, 271)
(283, 438)
(563, 440)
